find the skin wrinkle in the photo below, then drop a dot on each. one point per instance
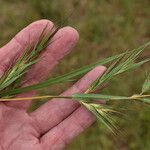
(39, 128)
(34, 128)
(13, 141)
(20, 134)
(63, 141)
(53, 41)
(32, 137)
(29, 30)
(59, 108)
(62, 131)
(1, 147)
(68, 42)
(23, 37)
(62, 110)
(36, 25)
(56, 139)
(80, 90)
(1, 112)
(33, 79)
(2, 69)
(59, 118)
(66, 138)
(22, 45)
(4, 66)
(6, 60)
(7, 63)
(37, 122)
(61, 134)
(78, 119)
(62, 138)
(82, 126)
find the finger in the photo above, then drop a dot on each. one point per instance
(64, 40)
(18, 44)
(66, 131)
(53, 112)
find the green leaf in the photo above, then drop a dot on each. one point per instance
(133, 66)
(61, 79)
(146, 85)
(98, 97)
(121, 65)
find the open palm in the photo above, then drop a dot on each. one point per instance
(56, 123)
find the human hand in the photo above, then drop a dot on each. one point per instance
(57, 122)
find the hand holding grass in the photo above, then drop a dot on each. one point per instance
(56, 123)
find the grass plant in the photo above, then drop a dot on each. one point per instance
(11, 80)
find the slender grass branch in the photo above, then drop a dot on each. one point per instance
(79, 97)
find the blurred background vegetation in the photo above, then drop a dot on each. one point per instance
(106, 27)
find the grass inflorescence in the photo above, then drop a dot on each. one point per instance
(11, 80)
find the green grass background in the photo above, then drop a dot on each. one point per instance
(106, 27)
